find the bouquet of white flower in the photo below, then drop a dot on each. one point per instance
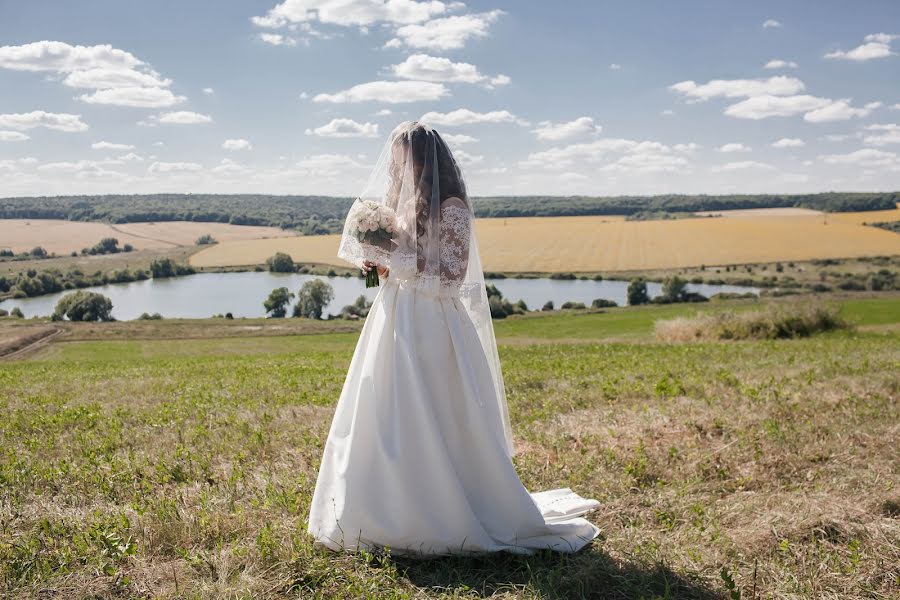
(373, 224)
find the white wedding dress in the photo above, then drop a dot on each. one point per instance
(416, 459)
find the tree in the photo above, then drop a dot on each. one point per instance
(38, 252)
(167, 267)
(84, 306)
(206, 240)
(548, 305)
(280, 263)
(637, 292)
(674, 288)
(359, 309)
(314, 296)
(276, 303)
(603, 303)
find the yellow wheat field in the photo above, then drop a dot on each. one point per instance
(63, 237)
(559, 244)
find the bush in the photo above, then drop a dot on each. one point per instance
(637, 292)
(548, 305)
(603, 303)
(149, 317)
(314, 296)
(568, 276)
(575, 305)
(17, 313)
(359, 309)
(4, 312)
(776, 321)
(104, 246)
(280, 263)
(167, 267)
(84, 306)
(276, 303)
(206, 240)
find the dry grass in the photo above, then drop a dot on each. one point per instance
(63, 237)
(558, 244)
(775, 321)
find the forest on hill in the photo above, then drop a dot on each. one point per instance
(314, 215)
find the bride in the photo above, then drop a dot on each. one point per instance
(419, 455)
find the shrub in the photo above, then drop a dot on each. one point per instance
(84, 306)
(776, 321)
(206, 240)
(359, 309)
(312, 299)
(167, 267)
(149, 317)
(17, 313)
(603, 303)
(280, 263)
(548, 305)
(4, 312)
(637, 292)
(276, 303)
(575, 305)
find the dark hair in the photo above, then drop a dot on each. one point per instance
(450, 179)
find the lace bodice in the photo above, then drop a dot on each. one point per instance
(456, 221)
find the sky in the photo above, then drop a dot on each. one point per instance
(592, 97)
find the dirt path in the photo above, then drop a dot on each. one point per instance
(29, 343)
(144, 237)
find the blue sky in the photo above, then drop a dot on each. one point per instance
(576, 97)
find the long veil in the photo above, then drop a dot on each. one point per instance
(414, 177)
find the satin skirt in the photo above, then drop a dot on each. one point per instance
(415, 460)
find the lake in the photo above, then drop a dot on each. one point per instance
(242, 294)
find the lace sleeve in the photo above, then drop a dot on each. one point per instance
(455, 231)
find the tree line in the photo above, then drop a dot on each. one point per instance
(315, 215)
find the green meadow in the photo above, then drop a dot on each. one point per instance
(177, 460)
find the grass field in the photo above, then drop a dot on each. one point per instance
(557, 244)
(176, 459)
(64, 237)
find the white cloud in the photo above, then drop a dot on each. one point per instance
(392, 92)
(111, 146)
(350, 12)
(866, 157)
(780, 85)
(734, 147)
(178, 117)
(145, 97)
(466, 159)
(813, 108)
(39, 118)
(345, 128)
(771, 24)
(877, 45)
(209, 91)
(615, 67)
(130, 157)
(63, 58)
(561, 131)
(464, 116)
(789, 143)
(668, 112)
(448, 33)
(780, 64)
(230, 168)
(276, 39)
(12, 136)
(423, 67)
(120, 78)
(174, 167)
(329, 164)
(237, 144)
(618, 155)
(458, 138)
(839, 110)
(103, 78)
(383, 112)
(742, 165)
(887, 134)
(78, 165)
